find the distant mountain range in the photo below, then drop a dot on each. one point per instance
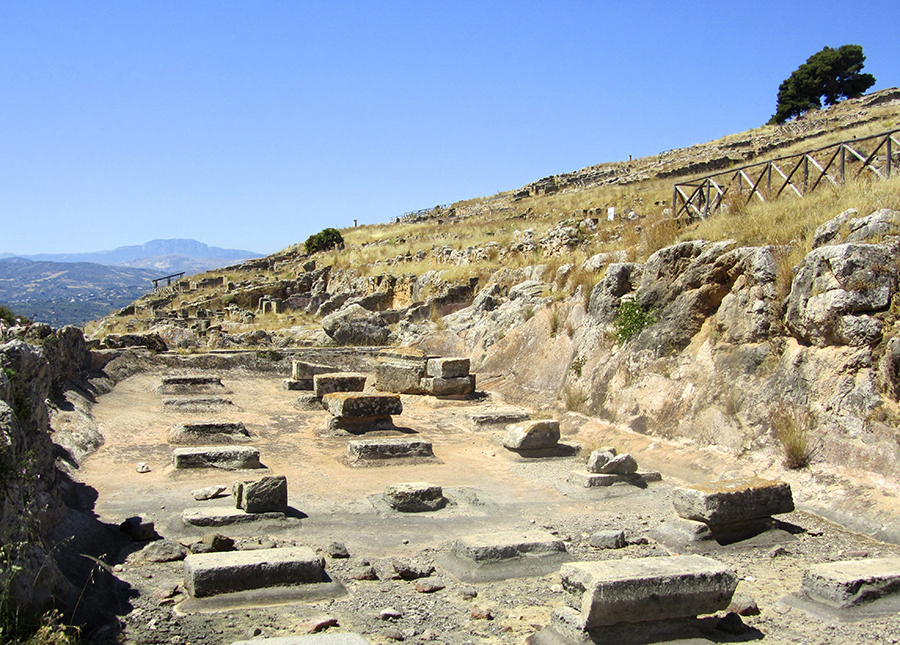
(74, 288)
(170, 256)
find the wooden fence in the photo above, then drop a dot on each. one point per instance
(798, 174)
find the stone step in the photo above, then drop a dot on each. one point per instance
(338, 382)
(853, 582)
(206, 433)
(644, 589)
(506, 545)
(188, 384)
(196, 404)
(596, 480)
(382, 449)
(209, 574)
(222, 516)
(225, 457)
(447, 368)
(734, 500)
(305, 371)
(358, 405)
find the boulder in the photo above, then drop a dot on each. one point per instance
(837, 289)
(599, 458)
(266, 495)
(532, 435)
(355, 325)
(623, 464)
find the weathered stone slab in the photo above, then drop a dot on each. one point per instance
(347, 638)
(532, 435)
(415, 497)
(852, 583)
(308, 402)
(338, 382)
(305, 371)
(735, 500)
(598, 480)
(209, 574)
(196, 404)
(224, 516)
(498, 416)
(294, 385)
(189, 384)
(349, 405)
(633, 590)
(400, 370)
(380, 449)
(447, 368)
(506, 545)
(207, 433)
(678, 531)
(266, 495)
(456, 386)
(225, 457)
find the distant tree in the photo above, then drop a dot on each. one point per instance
(325, 239)
(831, 74)
(10, 317)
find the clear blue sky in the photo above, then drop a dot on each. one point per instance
(255, 124)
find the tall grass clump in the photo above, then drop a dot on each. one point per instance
(793, 426)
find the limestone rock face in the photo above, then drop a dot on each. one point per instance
(835, 291)
(750, 312)
(620, 278)
(355, 325)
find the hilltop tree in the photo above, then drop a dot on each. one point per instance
(324, 240)
(831, 74)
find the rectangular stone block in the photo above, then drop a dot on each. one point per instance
(505, 545)
(190, 384)
(218, 516)
(641, 589)
(852, 583)
(447, 367)
(400, 373)
(305, 371)
(449, 386)
(338, 382)
(735, 500)
(293, 384)
(207, 433)
(358, 405)
(266, 495)
(225, 457)
(210, 574)
(377, 449)
(498, 416)
(597, 480)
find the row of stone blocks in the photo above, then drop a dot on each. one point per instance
(411, 371)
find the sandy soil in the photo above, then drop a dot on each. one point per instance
(493, 489)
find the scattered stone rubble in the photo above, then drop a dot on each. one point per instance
(605, 467)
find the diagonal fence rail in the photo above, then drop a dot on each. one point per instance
(877, 155)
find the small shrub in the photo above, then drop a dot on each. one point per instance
(554, 321)
(269, 355)
(793, 425)
(324, 240)
(631, 319)
(10, 373)
(575, 398)
(528, 314)
(578, 365)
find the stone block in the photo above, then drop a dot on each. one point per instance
(190, 384)
(498, 416)
(598, 459)
(678, 531)
(623, 464)
(266, 495)
(225, 457)
(532, 435)
(415, 497)
(447, 368)
(338, 382)
(207, 433)
(379, 449)
(196, 404)
(736, 500)
(400, 371)
(611, 539)
(304, 371)
(506, 545)
(359, 405)
(635, 590)
(853, 582)
(218, 516)
(294, 385)
(456, 386)
(599, 480)
(210, 574)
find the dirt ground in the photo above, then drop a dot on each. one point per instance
(490, 489)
